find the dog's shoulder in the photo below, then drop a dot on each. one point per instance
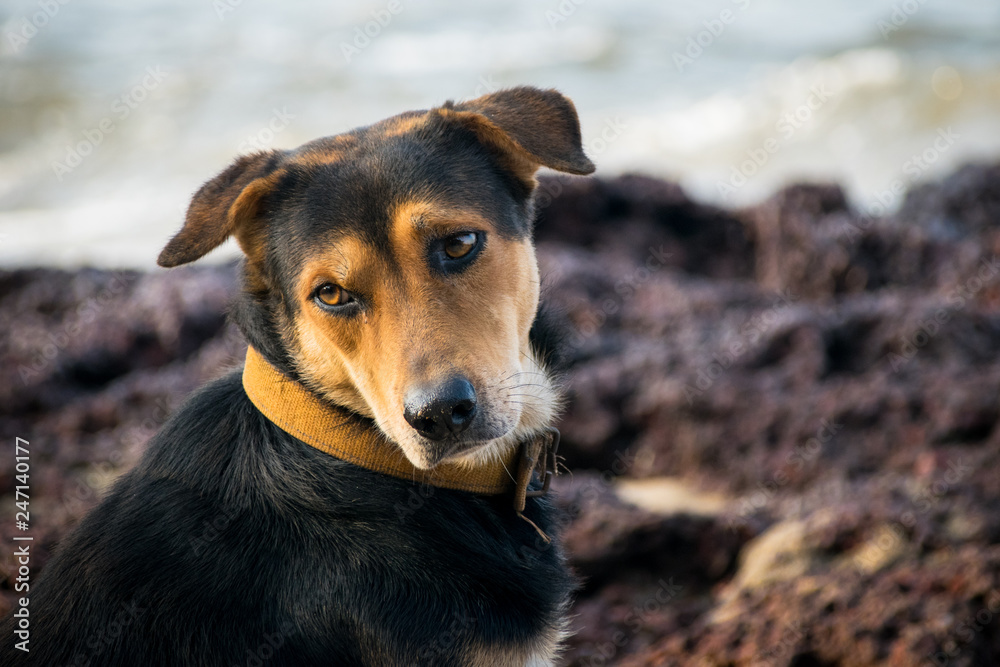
(305, 549)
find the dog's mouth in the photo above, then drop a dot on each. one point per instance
(432, 453)
(480, 443)
(504, 414)
(437, 453)
(456, 419)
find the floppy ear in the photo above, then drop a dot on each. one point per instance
(227, 205)
(528, 128)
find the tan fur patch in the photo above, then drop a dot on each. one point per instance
(419, 327)
(325, 151)
(542, 651)
(397, 126)
(330, 351)
(512, 156)
(244, 218)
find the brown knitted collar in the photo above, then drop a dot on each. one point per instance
(300, 413)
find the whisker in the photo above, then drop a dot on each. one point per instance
(507, 471)
(516, 373)
(527, 372)
(517, 376)
(524, 386)
(521, 384)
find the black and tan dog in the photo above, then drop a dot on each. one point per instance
(356, 496)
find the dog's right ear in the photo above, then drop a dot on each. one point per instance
(228, 205)
(527, 128)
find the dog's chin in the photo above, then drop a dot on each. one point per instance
(481, 453)
(427, 454)
(432, 456)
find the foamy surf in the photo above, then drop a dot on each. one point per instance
(732, 98)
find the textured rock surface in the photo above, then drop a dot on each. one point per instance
(810, 396)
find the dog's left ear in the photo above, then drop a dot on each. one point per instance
(528, 128)
(228, 205)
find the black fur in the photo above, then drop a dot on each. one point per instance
(355, 196)
(549, 339)
(234, 543)
(232, 540)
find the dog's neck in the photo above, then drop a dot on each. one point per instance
(347, 436)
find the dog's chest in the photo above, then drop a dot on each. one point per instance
(451, 581)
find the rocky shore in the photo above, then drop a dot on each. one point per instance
(781, 431)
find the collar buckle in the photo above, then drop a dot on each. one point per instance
(536, 454)
(547, 459)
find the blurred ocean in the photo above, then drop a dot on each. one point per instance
(112, 114)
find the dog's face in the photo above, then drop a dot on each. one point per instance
(394, 266)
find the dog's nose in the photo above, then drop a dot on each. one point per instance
(444, 410)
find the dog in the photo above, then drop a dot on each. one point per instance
(367, 490)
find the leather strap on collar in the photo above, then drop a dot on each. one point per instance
(300, 413)
(537, 454)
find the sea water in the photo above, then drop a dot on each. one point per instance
(112, 113)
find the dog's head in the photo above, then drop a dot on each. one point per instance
(391, 269)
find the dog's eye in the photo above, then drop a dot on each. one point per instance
(333, 295)
(460, 245)
(451, 255)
